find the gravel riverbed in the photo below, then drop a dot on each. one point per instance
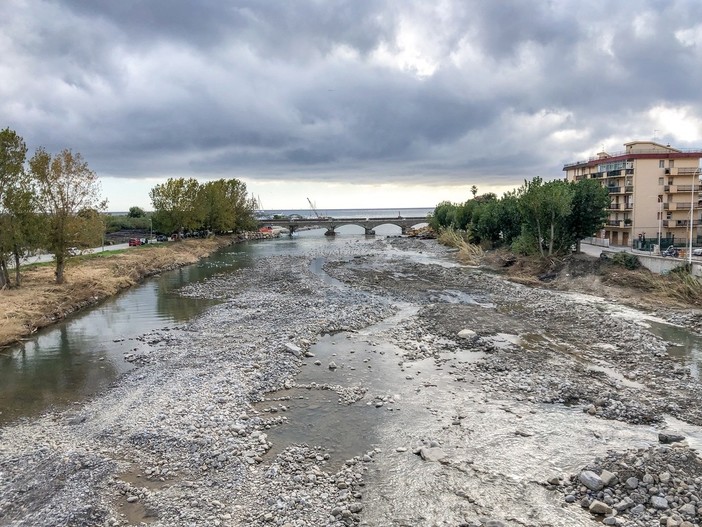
(461, 399)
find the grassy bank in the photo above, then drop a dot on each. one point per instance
(89, 279)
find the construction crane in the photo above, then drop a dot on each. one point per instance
(314, 209)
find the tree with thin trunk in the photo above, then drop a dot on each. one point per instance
(17, 205)
(66, 186)
(544, 208)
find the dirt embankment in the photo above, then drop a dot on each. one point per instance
(88, 280)
(607, 278)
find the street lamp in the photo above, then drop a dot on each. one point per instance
(660, 221)
(695, 178)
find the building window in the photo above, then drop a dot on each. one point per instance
(668, 215)
(661, 163)
(660, 180)
(671, 163)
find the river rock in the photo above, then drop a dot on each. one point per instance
(591, 480)
(432, 454)
(292, 348)
(608, 478)
(659, 503)
(688, 509)
(669, 437)
(598, 507)
(468, 334)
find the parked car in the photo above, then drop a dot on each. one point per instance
(161, 238)
(73, 251)
(697, 251)
(133, 242)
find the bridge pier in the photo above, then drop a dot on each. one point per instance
(369, 232)
(291, 229)
(330, 231)
(404, 229)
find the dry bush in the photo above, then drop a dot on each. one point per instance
(468, 253)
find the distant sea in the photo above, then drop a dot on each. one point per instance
(339, 213)
(353, 213)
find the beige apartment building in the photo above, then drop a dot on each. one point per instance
(653, 189)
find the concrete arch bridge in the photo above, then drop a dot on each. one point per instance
(368, 224)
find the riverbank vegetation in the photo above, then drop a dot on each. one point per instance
(217, 206)
(53, 203)
(539, 218)
(90, 279)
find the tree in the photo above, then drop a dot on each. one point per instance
(443, 216)
(544, 208)
(590, 199)
(65, 186)
(136, 212)
(176, 205)
(474, 190)
(18, 219)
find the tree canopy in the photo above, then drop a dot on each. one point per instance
(544, 218)
(182, 205)
(66, 186)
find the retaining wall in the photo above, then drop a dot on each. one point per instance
(660, 264)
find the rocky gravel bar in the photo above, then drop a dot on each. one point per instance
(492, 403)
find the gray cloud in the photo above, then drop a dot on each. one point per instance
(362, 90)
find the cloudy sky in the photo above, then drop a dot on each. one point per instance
(355, 103)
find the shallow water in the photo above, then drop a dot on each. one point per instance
(84, 353)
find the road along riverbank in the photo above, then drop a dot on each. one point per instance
(399, 388)
(40, 302)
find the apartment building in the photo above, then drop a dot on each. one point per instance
(653, 189)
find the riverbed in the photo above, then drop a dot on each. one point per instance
(355, 381)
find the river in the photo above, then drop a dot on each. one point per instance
(81, 355)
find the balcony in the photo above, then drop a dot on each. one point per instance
(614, 190)
(597, 175)
(614, 206)
(628, 206)
(680, 223)
(629, 188)
(681, 188)
(614, 173)
(614, 223)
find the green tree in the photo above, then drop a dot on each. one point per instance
(544, 209)
(65, 187)
(176, 206)
(444, 215)
(226, 206)
(474, 190)
(590, 199)
(136, 212)
(510, 218)
(19, 229)
(486, 223)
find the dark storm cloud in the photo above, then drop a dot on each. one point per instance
(366, 90)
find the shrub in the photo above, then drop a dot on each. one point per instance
(627, 260)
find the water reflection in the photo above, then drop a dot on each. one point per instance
(686, 345)
(81, 355)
